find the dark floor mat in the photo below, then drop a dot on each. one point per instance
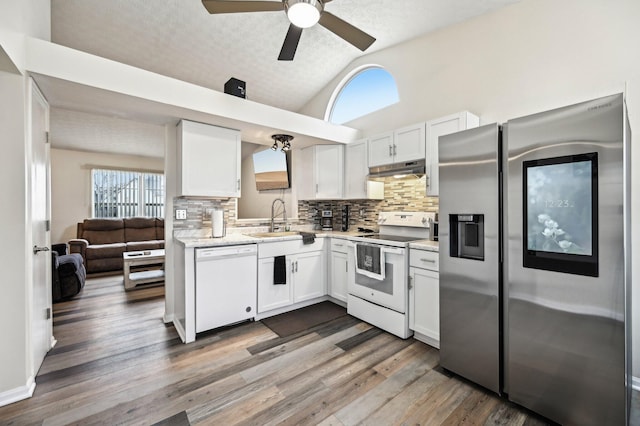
(304, 318)
(179, 419)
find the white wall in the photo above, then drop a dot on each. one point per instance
(257, 204)
(71, 185)
(13, 171)
(529, 57)
(15, 357)
(171, 179)
(31, 17)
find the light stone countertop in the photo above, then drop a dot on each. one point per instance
(427, 245)
(236, 238)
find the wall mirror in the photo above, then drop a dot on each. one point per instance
(255, 205)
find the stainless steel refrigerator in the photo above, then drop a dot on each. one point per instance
(535, 260)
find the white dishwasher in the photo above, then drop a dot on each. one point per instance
(226, 285)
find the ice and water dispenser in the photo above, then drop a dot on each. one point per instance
(466, 236)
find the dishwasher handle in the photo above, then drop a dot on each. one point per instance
(203, 255)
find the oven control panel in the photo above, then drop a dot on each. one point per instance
(410, 219)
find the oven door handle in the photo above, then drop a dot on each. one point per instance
(393, 250)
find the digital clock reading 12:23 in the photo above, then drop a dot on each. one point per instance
(552, 204)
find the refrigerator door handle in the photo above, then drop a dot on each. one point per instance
(500, 223)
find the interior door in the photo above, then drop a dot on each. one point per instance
(41, 323)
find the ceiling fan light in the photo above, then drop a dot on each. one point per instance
(304, 13)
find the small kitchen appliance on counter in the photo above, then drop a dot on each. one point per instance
(326, 221)
(345, 218)
(433, 228)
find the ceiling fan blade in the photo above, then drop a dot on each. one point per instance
(290, 44)
(225, 6)
(345, 30)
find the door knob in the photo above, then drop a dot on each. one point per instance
(36, 249)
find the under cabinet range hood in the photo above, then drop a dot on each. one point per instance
(407, 168)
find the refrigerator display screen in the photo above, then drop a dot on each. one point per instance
(561, 215)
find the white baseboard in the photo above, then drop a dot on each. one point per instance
(18, 394)
(337, 301)
(635, 383)
(181, 331)
(426, 339)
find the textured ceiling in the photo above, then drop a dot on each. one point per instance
(180, 39)
(91, 132)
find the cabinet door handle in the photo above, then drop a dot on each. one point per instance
(296, 266)
(338, 245)
(316, 188)
(422, 259)
(292, 267)
(394, 149)
(390, 151)
(346, 266)
(410, 282)
(238, 184)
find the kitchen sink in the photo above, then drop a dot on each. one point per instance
(274, 234)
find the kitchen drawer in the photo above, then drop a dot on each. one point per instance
(339, 245)
(288, 247)
(424, 259)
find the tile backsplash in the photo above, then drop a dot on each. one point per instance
(399, 195)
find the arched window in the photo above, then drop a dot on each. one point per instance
(365, 90)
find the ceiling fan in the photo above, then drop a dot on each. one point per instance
(302, 14)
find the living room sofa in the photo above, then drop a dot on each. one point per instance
(101, 242)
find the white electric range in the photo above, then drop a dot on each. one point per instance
(381, 296)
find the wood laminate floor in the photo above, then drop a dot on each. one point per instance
(116, 362)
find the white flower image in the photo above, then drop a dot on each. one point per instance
(542, 218)
(564, 244)
(552, 233)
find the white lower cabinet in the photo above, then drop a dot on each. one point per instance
(272, 296)
(308, 276)
(424, 296)
(305, 273)
(338, 270)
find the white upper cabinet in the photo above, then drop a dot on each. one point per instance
(356, 185)
(381, 149)
(439, 127)
(208, 160)
(409, 143)
(403, 144)
(320, 172)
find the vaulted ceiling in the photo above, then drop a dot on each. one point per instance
(180, 39)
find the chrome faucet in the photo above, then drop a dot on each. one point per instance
(273, 214)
